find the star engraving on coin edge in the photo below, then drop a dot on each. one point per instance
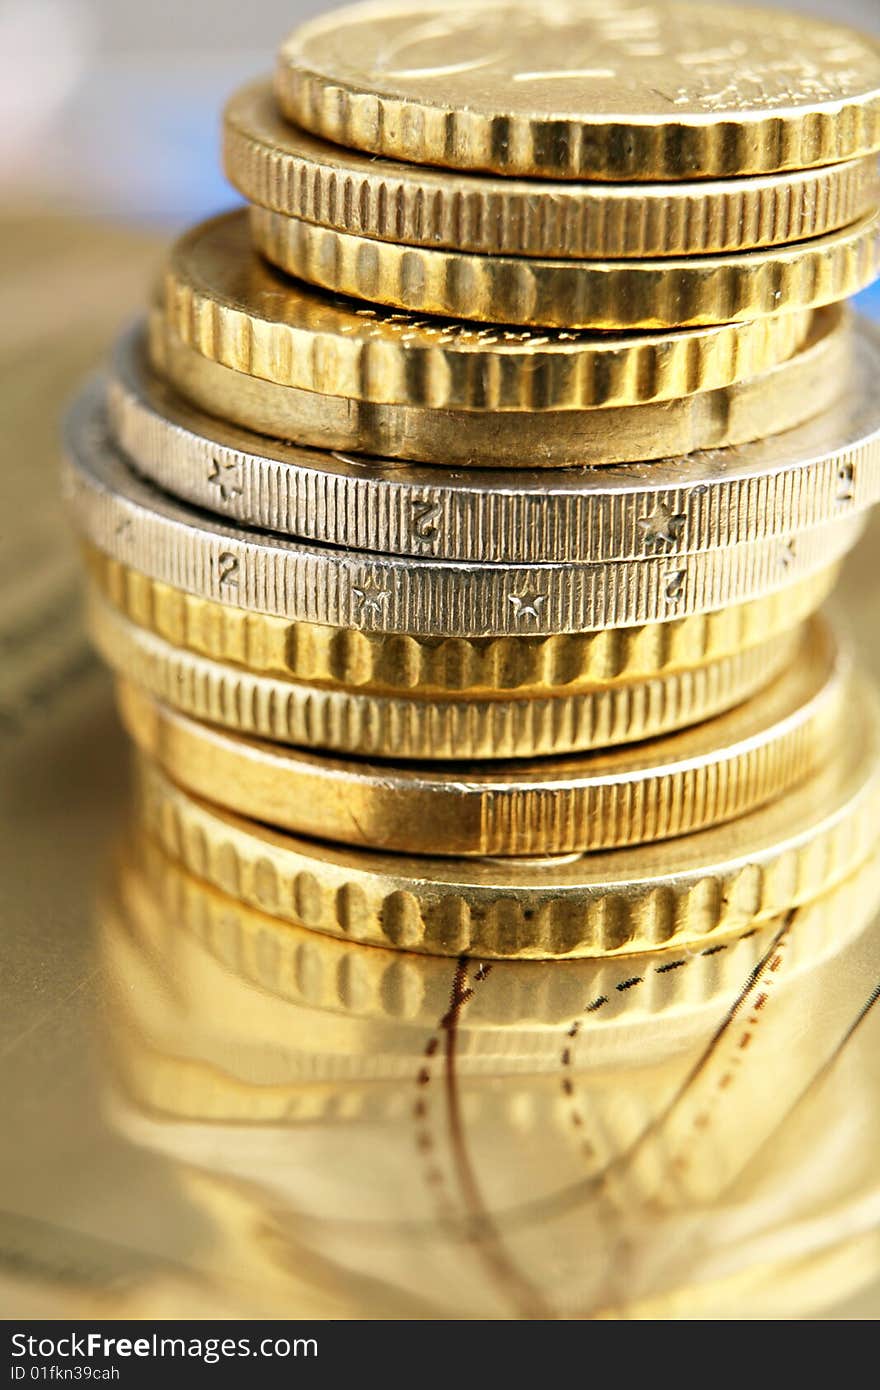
(232, 488)
(528, 605)
(662, 526)
(371, 600)
(788, 552)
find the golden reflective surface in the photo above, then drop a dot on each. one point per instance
(211, 1113)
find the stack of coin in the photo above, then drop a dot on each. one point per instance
(463, 509)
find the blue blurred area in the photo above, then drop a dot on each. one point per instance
(142, 144)
(868, 302)
(185, 181)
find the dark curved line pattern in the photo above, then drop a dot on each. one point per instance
(816, 1080)
(482, 1231)
(581, 1192)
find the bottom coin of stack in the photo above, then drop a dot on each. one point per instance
(687, 891)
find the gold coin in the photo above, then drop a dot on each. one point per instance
(382, 664)
(665, 787)
(805, 477)
(208, 1016)
(770, 403)
(188, 1002)
(682, 892)
(584, 90)
(413, 727)
(607, 295)
(278, 166)
(637, 1119)
(179, 919)
(331, 1018)
(221, 298)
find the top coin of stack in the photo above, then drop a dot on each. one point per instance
(537, 114)
(593, 497)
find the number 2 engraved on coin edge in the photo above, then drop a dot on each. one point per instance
(846, 478)
(425, 515)
(227, 565)
(675, 585)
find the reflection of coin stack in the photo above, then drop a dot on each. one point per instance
(508, 630)
(361, 1098)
